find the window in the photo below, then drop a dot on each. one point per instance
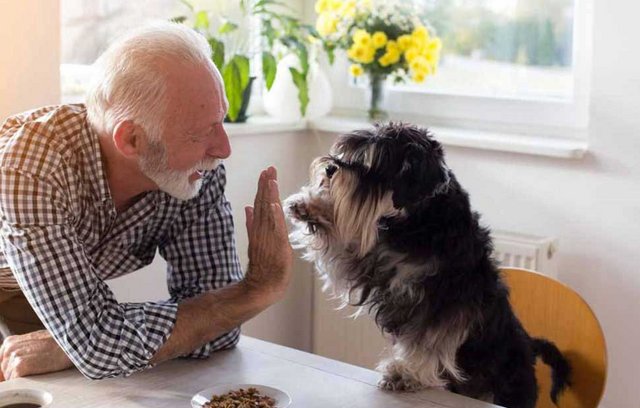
(515, 66)
(87, 28)
(504, 48)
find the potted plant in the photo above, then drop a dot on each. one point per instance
(279, 32)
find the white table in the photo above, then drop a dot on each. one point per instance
(311, 381)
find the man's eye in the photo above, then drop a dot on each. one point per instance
(330, 170)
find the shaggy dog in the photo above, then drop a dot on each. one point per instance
(390, 229)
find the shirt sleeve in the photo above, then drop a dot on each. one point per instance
(103, 338)
(201, 252)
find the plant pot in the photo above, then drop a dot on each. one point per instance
(282, 102)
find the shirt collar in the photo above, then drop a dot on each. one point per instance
(97, 165)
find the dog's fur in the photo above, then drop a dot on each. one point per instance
(390, 229)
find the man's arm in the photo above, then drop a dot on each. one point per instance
(203, 317)
(207, 316)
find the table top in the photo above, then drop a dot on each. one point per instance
(311, 381)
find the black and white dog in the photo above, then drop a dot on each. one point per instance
(390, 229)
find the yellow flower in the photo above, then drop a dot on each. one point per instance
(362, 38)
(347, 9)
(392, 46)
(435, 44)
(432, 57)
(361, 54)
(369, 55)
(384, 60)
(410, 54)
(326, 24)
(404, 42)
(334, 5)
(379, 39)
(418, 42)
(419, 63)
(419, 77)
(356, 70)
(394, 56)
(322, 6)
(420, 32)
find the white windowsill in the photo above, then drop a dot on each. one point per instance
(567, 148)
(258, 124)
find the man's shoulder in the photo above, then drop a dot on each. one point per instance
(40, 139)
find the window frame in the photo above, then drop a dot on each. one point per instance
(539, 117)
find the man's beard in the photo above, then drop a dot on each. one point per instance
(154, 164)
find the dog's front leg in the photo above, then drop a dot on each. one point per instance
(410, 371)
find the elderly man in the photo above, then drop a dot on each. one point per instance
(89, 193)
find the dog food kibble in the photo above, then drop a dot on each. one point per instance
(249, 398)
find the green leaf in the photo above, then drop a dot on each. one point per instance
(202, 20)
(330, 50)
(227, 27)
(236, 78)
(188, 4)
(217, 52)
(303, 56)
(269, 68)
(269, 32)
(300, 80)
(262, 4)
(179, 19)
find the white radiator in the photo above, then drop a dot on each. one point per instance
(526, 251)
(360, 342)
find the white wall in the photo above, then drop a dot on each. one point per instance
(592, 205)
(29, 54)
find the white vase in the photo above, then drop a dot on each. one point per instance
(282, 101)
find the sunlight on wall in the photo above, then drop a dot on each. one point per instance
(29, 55)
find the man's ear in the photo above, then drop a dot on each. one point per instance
(128, 138)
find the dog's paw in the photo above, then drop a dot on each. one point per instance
(398, 383)
(297, 210)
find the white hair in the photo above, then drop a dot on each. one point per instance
(129, 82)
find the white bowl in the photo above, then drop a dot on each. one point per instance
(283, 399)
(25, 396)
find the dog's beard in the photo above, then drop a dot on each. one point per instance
(154, 164)
(335, 229)
(357, 214)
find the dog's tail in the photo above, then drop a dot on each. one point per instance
(561, 370)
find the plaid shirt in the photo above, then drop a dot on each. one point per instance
(62, 238)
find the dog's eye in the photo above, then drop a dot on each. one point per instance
(331, 169)
(313, 228)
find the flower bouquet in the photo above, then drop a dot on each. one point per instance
(382, 40)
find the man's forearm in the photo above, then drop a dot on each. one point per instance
(209, 315)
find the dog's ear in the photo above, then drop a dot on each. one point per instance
(422, 172)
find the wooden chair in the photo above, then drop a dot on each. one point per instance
(550, 309)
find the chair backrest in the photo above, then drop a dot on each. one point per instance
(550, 309)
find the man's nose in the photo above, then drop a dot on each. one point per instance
(220, 146)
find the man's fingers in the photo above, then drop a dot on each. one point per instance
(273, 173)
(248, 213)
(273, 195)
(279, 220)
(5, 358)
(261, 188)
(1, 359)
